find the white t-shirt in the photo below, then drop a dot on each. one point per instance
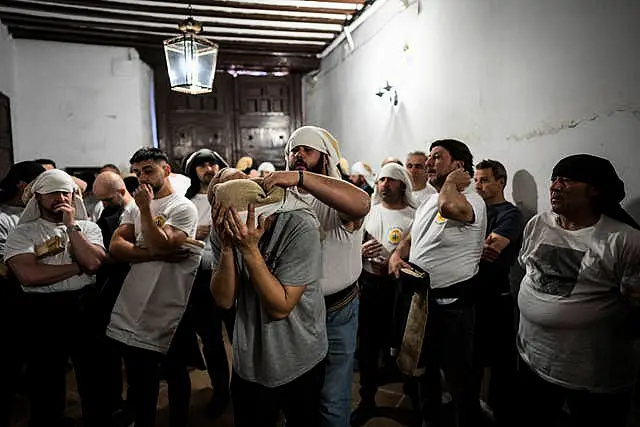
(448, 250)
(26, 237)
(9, 217)
(388, 227)
(204, 218)
(204, 209)
(154, 295)
(424, 194)
(180, 183)
(341, 260)
(574, 326)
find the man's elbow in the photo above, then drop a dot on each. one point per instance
(455, 212)
(278, 314)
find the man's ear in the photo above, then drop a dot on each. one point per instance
(167, 169)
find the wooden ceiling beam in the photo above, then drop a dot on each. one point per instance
(139, 17)
(44, 24)
(259, 6)
(198, 13)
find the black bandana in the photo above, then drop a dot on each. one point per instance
(600, 173)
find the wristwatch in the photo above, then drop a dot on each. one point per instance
(74, 227)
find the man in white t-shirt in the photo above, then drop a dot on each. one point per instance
(54, 252)
(312, 156)
(388, 221)
(576, 316)
(201, 167)
(446, 241)
(417, 167)
(154, 238)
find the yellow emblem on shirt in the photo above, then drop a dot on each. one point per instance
(159, 221)
(395, 234)
(440, 219)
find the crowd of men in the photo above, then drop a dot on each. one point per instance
(307, 269)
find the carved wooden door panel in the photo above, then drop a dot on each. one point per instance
(245, 115)
(6, 144)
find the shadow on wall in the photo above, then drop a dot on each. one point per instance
(633, 208)
(525, 196)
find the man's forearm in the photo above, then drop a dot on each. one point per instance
(85, 253)
(155, 238)
(267, 286)
(224, 281)
(123, 250)
(338, 194)
(453, 205)
(45, 274)
(404, 247)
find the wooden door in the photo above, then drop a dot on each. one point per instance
(6, 144)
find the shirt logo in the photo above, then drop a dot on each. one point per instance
(440, 219)
(159, 221)
(395, 234)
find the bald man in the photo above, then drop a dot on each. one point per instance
(109, 188)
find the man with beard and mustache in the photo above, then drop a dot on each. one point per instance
(54, 252)
(388, 221)
(207, 318)
(313, 154)
(577, 322)
(446, 241)
(156, 237)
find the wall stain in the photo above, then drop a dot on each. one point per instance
(571, 124)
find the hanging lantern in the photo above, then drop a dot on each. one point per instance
(191, 59)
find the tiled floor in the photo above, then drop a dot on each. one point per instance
(392, 405)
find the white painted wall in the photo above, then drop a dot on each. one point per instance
(524, 82)
(7, 61)
(80, 105)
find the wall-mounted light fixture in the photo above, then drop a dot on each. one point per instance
(388, 89)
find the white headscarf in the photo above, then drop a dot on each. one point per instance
(52, 181)
(319, 139)
(266, 167)
(361, 168)
(397, 172)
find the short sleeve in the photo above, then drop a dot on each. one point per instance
(300, 260)
(128, 216)
(5, 228)
(509, 224)
(630, 263)
(92, 233)
(184, 217)
(527, 243)
(18, 243)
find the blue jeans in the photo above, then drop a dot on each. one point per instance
(335, 401)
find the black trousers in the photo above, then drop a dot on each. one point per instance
(448, 345)
(207, 320)
(255, 405)
(143, 368)
(60, 326)
(12, 336)
(377, 295)
(540, 403)
(495, 348)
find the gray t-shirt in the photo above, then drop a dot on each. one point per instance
(275, 352)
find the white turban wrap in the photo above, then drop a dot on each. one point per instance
(319, 139)
(361, 168)
(51, 181)
(399, 173)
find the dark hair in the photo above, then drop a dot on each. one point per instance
(20, 172)
(110, 166)
(458, 151)
(496, 167)
(149, 153)
(46, 162)
(131, 183)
